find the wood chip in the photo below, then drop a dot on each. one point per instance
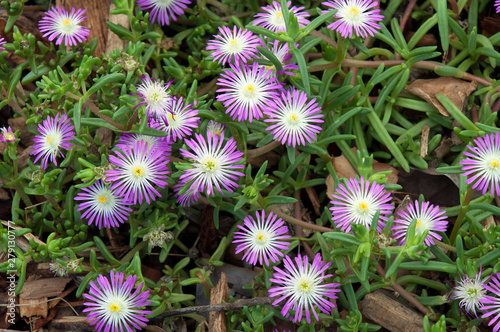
(424, 141)
(218, 294)
(390, 313)
(46, 287)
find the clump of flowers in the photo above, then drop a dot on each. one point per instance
(470, 292)
(103, 206)
(113, 306)
(273, 19)
(214, 164)
(58, 23)
(247, 91)
(358, 201)
(234, 46)
(483, 164)
(293, 118)
(355, 16)
(162, 11)
(300, 284)
(55, 134)
(427, 217)
(262, 240)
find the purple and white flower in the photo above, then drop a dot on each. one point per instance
(427, 217)
(7, 135)
(113, 307)
(300, 284)
(58, 23)
(164, 10)
(55, 134)
(234, 46)
(154, 96)
(179, 122)
(273, 19)
(262, 240)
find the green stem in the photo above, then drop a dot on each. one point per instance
(128, 257)
(445, 246)
(461, 215)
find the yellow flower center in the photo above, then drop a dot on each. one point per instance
(494, 164)
(305, 286)
(354, 11)
(138, 171)
(260, 237)
(210, 165)
(293, 117)
(66, 22)
(250, 88)
(102, 199)
(49, 139)
(279, 14)
(114, 308)
(363, 206)
(232, 42)
(418, 222)
(472, 292)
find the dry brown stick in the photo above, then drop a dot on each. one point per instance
(299, 231)
(236, 305)
(407, 14)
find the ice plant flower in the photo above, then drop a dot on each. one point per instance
(154, 95)
(262, 240)
(247, 91)
(358, 201)
(215, 127)
(233, 46)
(164, 10)
(428, 218)
(179, 122)
(103, 206)
(113, 306)
(55, 134)
(470, 292)
(293, 118)
(280, 50)
(163, 144)
(214, 164)
(355, 16)
(7, 135)
(483, 163)
(58, 23)
(491, 304)
(137, 168)
(273, 19)
(2, 41)
(300, 284)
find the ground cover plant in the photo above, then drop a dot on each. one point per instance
(251, 166)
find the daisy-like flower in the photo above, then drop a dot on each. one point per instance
(355, 16)
(301, 285)
(470, 292)
(293, 118)
(483, 163)
(280, 50)
(138, 167)
(428, 218)
(113, 306)
(160, 143)
(491, 304)
(179, 122)
(247, 91)
(262, 240)
(55, 134)
(273, 19)
(2, 41)
(7, 135)
(234, 46)
(214, 164)
(103, 206)
(164, 10)
(154, 95)
(358, 202)
(58, 23)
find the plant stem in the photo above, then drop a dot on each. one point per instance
(445, 246)
(299, 222)
(461, 215)
(262, 150)
(128, 257)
